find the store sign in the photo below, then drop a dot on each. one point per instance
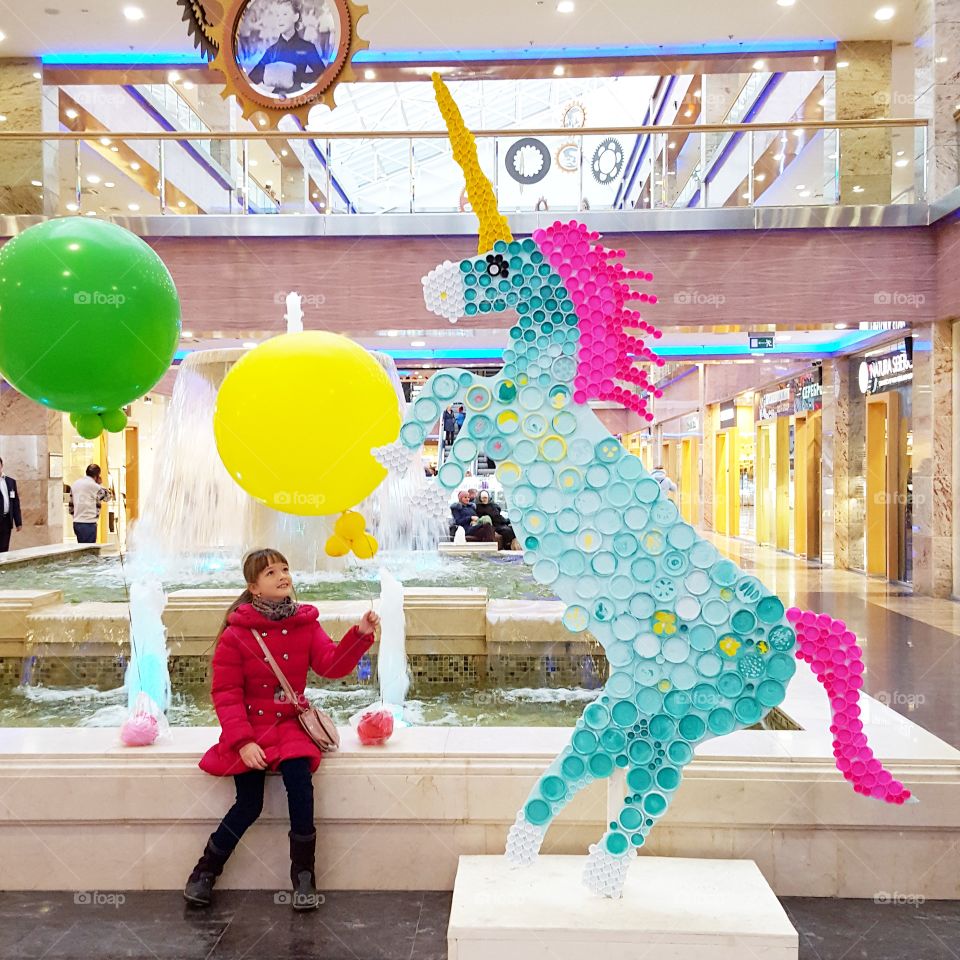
(808, 393)
(777, 403)
(728, 416)
(691, 424)
(885, 373)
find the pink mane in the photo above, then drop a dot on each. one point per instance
(599, 290)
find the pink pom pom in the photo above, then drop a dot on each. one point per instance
(140, 730)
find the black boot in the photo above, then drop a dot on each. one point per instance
(199, 888)
(303, 850)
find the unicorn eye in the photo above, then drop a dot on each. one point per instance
(443, 291)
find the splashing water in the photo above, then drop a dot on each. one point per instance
(392, 669)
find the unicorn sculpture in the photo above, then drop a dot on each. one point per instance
(696, 647)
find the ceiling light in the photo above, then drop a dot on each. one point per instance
(369, 74)
(36, 183)
(745, 196)
(72, 207)
(37, 75)
(688, 112)
(839, 326)
(3, 118)
(558, 70)
(941, 60)
(858, 189)
(134, 165)
(779, 156)
(186, 333)
(565, 6)
(806, 194)
(188, 84)
(816, 59)
(109, 183)
(901, 163)
(93, 178)
(133, 13)
(418, 343)
(798, 133)
(253, 163)
(698, 93)
(181, 203)
(760, 177)
(249, 344)
(3, 36)
(786, 3)
(71, 114)
(672, 145)
(900, 153)
(759, 64)
(173, 77)
(284, 152)
(105, 141)
(90, 213)
(801, 186)
(884, 14)
(263, 121)
(843, 64)
(134, 207)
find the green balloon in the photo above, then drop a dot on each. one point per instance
(89, 315)
(89, 426)
(114, 420)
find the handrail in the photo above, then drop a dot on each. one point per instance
(875, 123)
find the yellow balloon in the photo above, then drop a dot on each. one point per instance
(337, 547)
(350, 526)
(365, 546)
(296, 418)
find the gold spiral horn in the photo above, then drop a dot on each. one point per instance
(493, 225)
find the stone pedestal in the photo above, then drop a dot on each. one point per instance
(29, 433)
(672, 909)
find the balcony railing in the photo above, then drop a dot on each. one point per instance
(110, 173)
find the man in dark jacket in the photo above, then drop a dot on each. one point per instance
(292, 63)
(449, 425)
(10, 515)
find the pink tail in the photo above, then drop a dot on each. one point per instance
(832, 652)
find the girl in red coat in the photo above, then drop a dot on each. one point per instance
(261, 728)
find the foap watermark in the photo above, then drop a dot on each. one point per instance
(899, 899)
(894, 98)
(284, 898)
(306, 299)
(899, 698)
(99, 898)
(899, 298)
(697, 298)
(297, 498)
(98, 298)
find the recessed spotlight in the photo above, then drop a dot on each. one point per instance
(134, 165)
(786, 3)
(745, 196)
(672, 145)
(822, 102)
(249, 344)
(843, 64)
(941, 59)
(114, 149)
(105, 141)
(760, 177)
(70, 113)
(565, 6)
(90, 213)
(173, 77)
(186, 333)
(188, 84)
(418, 343)
(284, 152)
(37, 75)
(801, 186)
(93, 178)
(3, 36)
(36, 183)
(133, 13)
(688, 112)
(798, 133)
(858, 189)
(558, 70)
(839, 326)
(698, 93)
(133, 207)
(72, 207)
(109, 183)
(901, 153)
(806, 194)
(181, 203)
(262, 121)
(253, 163)
(759, 64)
(901, 163)
(884, 14)
(369, 74)
(779, 156)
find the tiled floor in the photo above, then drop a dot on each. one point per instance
(911, 644)
(391, 926)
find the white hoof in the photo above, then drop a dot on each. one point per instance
(604, 873)
(523, 842)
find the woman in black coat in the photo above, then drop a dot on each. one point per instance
(501, 524)
(449, 425)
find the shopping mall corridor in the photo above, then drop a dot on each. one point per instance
(911, 645)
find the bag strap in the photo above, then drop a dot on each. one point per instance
(291, 694)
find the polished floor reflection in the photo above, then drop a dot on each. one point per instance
(911, 644)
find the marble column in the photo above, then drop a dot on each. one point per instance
(833, 480)
(29, 433)
(937, 89)
(21, 162)
(933, 459)
(864, 92)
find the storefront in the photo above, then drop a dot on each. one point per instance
(735, 468)
(881, 448)
(680, 457)
(789, 434)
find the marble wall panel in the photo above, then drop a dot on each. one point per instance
(21, 161)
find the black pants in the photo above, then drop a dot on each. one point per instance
(298, 780)
(448, 436)
(6, 527)
(86, 532)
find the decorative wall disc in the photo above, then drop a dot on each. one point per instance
(568, 157)
(201, 18)
(607, 162)
(283, 57)
(528, 160)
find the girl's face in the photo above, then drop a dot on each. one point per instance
(274, 582)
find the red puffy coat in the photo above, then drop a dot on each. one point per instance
(247, 695)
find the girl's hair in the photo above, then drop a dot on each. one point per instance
(254, 563)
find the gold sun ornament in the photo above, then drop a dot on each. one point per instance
(269, 91)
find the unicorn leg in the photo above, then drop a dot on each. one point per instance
(574, 768)
(651, 783)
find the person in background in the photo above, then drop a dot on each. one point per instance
(449, 426)
(501, 524)
(472, 491)
(465, 515)
(666, 484)
(86, 495)
(10, 516)
(461, 416)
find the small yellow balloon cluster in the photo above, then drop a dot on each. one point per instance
(493, 225)
(350, 534)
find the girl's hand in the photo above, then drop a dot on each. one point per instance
(369, 622)
(253, 756)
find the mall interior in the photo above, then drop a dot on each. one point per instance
(782, 180)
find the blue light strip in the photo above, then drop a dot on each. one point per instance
(482, 55)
